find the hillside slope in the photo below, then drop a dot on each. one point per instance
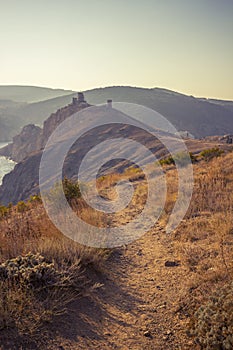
(148, 292)
(23, 181)
(16, 110)
(200, 117)
(29, 94)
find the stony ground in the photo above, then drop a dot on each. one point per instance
(137, 308)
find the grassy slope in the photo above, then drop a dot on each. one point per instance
(143, 304)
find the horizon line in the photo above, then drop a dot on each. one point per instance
(117, 86)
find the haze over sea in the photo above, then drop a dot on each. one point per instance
(6, 165)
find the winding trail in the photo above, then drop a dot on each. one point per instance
(137, 306)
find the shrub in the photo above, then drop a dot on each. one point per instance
(29, 270)
(71, 189)
(3, 211)
(33, 290)
(133, 169)
(182, 159)
(167, 161)
(211, 153)
(212, 324)
(22, 207)
(35, 199)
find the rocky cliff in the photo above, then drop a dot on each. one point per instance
(50, 124)
(200, 117)
(23, 181)
(32, 138)
(27, 142)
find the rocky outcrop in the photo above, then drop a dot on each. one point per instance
(32, 138)
(23, 181)
(26, 149)
(228, 139)
(27, 142)
(78, 103)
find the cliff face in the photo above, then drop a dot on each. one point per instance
(28, 141)
(32, 138)
(56, 118)
(23, 181)
(26, 149)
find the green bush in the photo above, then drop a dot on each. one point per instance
(22, 207)
(3, 211)
(71, 189)
(167, 161)
(35, 199)
(212, 324)
(211, 153)
(182, 159)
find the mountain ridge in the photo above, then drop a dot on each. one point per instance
(201, 117)
(30, 93)
(23, 181)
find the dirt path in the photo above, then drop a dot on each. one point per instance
(137, 306)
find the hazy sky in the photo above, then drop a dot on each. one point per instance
(183, 45)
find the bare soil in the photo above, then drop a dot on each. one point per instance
(136, 308)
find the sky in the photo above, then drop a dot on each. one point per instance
(182, 45)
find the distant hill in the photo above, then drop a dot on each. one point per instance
(198, 116)
(201, 117)
(29, 93)
(8, 129)
(23, 181)
(17, 107)
(225, 103)
(38, 112)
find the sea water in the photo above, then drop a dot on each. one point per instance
(6, 165)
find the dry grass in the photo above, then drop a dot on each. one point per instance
(60, 268)
(204, 241)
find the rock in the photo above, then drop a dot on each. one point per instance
(57, 118)
(163, 306)
(227, 139)
(107, 334)
(32, 138)
(147, 334)
(25, 143)
(167, 335)
(169, 263)
(139, 252)
(26, 150)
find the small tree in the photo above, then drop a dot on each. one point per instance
(71, 189)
